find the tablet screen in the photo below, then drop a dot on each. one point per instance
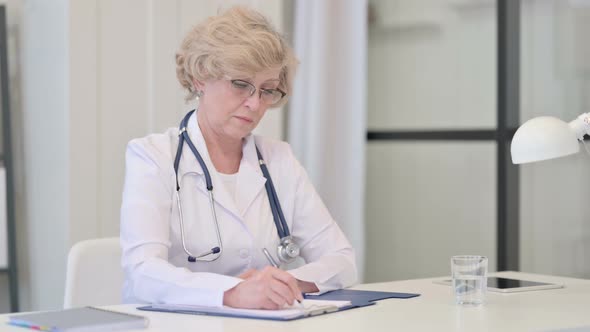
(504, 283)
(510, 285)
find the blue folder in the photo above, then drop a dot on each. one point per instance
(360, 298)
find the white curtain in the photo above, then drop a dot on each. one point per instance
(327, 114)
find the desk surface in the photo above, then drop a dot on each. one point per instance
(434, 310)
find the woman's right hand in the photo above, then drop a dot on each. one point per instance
(269, 288)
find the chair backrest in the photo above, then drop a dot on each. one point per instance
(94, 275)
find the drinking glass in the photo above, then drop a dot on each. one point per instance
(470, 279)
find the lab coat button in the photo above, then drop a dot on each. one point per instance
(244, 253)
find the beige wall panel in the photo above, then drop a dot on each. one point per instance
(426, 202)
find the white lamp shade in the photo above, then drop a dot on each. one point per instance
(543, 138)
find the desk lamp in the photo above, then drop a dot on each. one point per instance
(546, 137)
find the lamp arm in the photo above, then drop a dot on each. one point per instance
(581, 126)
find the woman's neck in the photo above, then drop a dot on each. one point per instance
(225, 152)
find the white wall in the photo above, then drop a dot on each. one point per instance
(428, 201)
(432, 66)
(46, 153)
(555, 222)
(96, 73)
(122, 58)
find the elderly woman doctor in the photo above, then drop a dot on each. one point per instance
(208, 207)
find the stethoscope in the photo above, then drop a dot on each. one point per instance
(287, 250)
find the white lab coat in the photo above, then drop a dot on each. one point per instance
(156, 267)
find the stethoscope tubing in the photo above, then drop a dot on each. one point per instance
(183, 137)
(215, 250)
(277, 212)
(275, 206)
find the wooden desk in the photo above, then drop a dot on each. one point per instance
(434, 310)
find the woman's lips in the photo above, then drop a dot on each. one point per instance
(243, 118)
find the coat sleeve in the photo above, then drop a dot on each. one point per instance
(329, 256)
(145, 228)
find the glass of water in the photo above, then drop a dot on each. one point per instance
(470, 279)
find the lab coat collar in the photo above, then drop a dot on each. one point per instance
(250, 180)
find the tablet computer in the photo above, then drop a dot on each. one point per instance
(507, 285)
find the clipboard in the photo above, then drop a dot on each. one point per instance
(311, 308)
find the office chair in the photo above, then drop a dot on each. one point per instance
(94, 275)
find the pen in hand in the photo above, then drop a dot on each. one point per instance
(270, 259)
(273, 263)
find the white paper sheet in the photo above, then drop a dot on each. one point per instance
(290, 312)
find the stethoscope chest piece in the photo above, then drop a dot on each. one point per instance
(287, 250)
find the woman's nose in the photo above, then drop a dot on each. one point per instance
(253, 102)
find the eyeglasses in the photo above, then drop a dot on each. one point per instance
(246, 89)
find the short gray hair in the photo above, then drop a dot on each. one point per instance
(237, 42)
